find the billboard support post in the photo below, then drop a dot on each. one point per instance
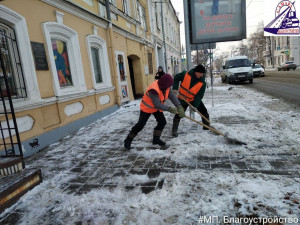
(187, 36)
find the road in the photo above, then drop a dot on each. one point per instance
(280, 84)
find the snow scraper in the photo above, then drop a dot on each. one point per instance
(229, 139)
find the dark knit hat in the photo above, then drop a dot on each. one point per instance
(199, 69)
(161, 67)
(165, 81)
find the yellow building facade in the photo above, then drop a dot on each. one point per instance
(69, 65)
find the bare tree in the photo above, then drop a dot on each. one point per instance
(257, 44)
(199, 57)
(219, 61)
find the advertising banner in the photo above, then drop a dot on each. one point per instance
(281, 18)
(217, 20)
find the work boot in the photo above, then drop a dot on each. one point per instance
(175, 127)
(128, 140)
(156, 138)
(205, 122)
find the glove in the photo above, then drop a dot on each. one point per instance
(173, 110)
(181, 112)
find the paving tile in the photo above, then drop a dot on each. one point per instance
(147, 190)
(138, 171)
(277, 164)
(239, 165)
(12, 218)
(152, 173)
(88, 187)
(221, 166)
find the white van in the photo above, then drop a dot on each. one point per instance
(237, 68)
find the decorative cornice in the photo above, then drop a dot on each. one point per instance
(24, 105)
(132, 36)
(78, 11)
(123, 15)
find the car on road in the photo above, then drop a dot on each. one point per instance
(237, 68)
(258, 71)
(288, 65)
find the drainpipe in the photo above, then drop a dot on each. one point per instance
(112, 52)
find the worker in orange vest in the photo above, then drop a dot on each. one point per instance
(153, 104)
(192, 89)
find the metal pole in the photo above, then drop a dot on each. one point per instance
(197, 54)
(164, 36)
(211, 74)
(187, 35)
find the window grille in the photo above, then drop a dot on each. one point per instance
(12, 63)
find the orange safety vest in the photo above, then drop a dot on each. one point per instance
(147, 104)
(185, 90)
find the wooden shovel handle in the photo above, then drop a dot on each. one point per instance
(193, 107)
(208, 127)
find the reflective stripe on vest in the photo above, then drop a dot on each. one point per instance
(147, 104)
(185, 90)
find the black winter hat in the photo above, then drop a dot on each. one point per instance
(165, 81)
(199, 69)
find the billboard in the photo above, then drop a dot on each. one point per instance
(217, 20)
(203, 46)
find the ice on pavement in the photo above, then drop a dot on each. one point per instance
(268, 125)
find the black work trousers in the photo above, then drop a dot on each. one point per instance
(159, 116)
(202, 109)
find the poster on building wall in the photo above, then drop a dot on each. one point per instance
(217, 20)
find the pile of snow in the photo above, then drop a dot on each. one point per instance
(270, 127)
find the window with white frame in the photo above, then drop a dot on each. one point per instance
(19, 60)
(65, 59)
(113, 2)
(134, 7)
(142, 15)
(97, 51)
(157, 15)
(126, 5)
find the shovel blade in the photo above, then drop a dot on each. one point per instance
(233, 140)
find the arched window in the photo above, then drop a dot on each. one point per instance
(65, 59)
(18, 56)
(97, 51)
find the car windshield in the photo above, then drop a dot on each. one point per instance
(238, 63)
(257, 66)
(289, 62)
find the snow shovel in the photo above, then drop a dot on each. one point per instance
(193, 107)
(230, 140)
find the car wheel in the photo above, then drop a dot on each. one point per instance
(294, 68)
(287, 69)
(278, 69)
(250, 81)
(227, 81)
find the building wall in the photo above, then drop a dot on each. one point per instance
(165, 29)
(295, 50)
(283, 49)
(48, 111)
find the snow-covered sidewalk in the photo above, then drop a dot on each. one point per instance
(88, 179)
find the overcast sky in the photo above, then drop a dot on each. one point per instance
(255, 14)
